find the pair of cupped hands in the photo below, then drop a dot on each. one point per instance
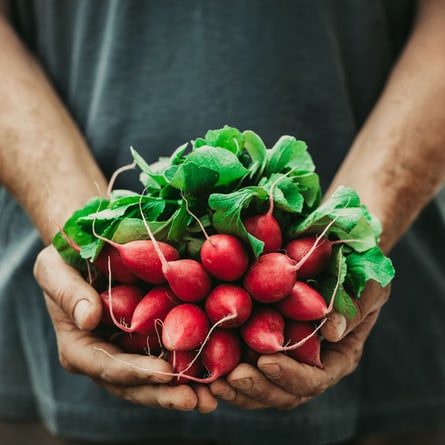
(278, 381)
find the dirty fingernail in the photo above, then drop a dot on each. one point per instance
(271, 370)
(227, 394)
(243, 384)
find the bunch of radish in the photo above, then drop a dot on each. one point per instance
(226, 255)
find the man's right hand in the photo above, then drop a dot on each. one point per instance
(76, 310)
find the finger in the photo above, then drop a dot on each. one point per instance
(251, 385)
(224, 391)
(339, 359)
(177, 397)
(82, 352)
(207, 402)
(342, 358)
(373, 298)
(140, 379)
(68, 289)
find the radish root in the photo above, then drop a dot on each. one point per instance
(117, 173)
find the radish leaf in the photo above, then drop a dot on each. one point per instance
(289, 153)
(207, 167)
(228, 208)
(369, 265)
(257, 152)
(227, 137)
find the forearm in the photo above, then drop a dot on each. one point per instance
(397, 162)
(44, 160)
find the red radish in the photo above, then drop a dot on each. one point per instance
(225, 300)
(267, 229)
(183, 362)
(220, 355)
(188, 279)
(153, 307)
(303, 303)
(150, 309)
(264, 331)
(109, 258)
(142, 258)
(137, 344)
(124, 299)
(271, 277)
(145, 258)
(184, 328)
(317, 260)
(309, 351)
(224, 256)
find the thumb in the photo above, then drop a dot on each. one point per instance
(66, 287)
(372, 299)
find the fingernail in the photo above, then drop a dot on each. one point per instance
(340, 324)
(227, 394)
(81, 313)
(243, 384)
(271, 370)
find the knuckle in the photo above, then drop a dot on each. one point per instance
(39, 263)
(172, 405)
(260, 395)
(120, 392)
(127, 393)
(359, 315)
(321, 387)
(63, 296)
(317, 386)
(386, 292)
(354, 359)
(66, 363)
(105, 375)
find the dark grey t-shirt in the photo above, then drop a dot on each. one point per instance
(155, 74)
